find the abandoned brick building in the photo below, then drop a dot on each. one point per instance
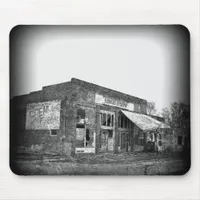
(81, 117)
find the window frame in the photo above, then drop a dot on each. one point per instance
(53, 130)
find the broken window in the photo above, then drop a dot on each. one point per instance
(112, 120)
(80, 118)
(104, 119)
(87, 137)
(108, 120)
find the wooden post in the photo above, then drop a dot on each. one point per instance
(145, 142)
(132, 137)
(116, 132)
(98, 139)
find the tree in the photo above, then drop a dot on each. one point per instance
(178, 116)
(166, 114)
(151, 108)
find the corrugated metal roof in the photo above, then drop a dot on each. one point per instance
(144, 122)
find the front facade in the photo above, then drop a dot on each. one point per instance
(81, 117)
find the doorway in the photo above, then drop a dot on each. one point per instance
(125, 141)
(107, 140)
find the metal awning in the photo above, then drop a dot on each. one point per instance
(144, 122)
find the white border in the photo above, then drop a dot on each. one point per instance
(14, 12)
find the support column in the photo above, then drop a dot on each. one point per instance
(116, 132)
(132, 137)
(98, 135)
(145, 142)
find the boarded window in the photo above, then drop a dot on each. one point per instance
(80, 135)
(103, 139)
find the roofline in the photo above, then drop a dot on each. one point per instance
(75, 80)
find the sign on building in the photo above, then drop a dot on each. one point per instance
(43, 115)
(113, 102)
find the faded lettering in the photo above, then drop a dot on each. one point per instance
(114, 102)
(43, 115)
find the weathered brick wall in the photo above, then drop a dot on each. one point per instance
(72, 94)
(57, 91)
(109, 93)
(41, 139)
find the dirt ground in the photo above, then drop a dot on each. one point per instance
(100, 164)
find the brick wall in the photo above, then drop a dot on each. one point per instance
(109, 93)
(72, 94)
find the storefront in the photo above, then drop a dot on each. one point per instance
(80, 117)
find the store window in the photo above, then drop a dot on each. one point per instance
(84, 137)
(107, 119)
(123, 122)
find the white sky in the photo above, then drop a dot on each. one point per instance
(146, 62)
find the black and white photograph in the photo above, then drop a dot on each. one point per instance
(100, 100)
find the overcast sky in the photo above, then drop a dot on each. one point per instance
(148, 62)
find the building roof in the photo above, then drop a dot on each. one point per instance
(144, 122)
(97, 88)
(89, 86)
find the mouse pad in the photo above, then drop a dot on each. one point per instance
(100, 100)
